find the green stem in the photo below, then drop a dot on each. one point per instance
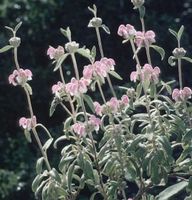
(101, 92)
(68, 96)
(16, 58)
(135, 53)
(180, 74)
(66, 109)
(142, 24)
(31, 114)
(148, 54)
(75, 66)
(41, 149)
(102, 55)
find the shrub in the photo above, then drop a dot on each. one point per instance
(139, 136)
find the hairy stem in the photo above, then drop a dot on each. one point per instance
(102, 55)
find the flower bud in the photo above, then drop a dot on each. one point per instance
(15, 41)
(179, 52)
(95, 22)
(137, 3)
(71, 47)
(131, 92)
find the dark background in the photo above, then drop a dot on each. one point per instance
(41, 22)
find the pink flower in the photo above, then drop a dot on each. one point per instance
(77, 87)
(55, 53)
(124, 100)
(126, 31)
(109, 63)
(150, 73)
(146, 73)
(88, 72)
(20, 77)
(98, 108)
(99, 68)
(79, 128)
(134, 76)
(96, 122)
(113, 103)
(57, 87)
(27, 123)
(144, 38)
(182, 95)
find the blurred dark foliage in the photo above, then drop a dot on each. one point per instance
(41, 22)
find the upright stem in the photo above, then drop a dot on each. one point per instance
(41, 148)
(101, 92)
(142, 24)
(135, 53)
(68, 96)
(75, 66)
(31, 114)
(180, 69)
(102, 55)
(148, 54)
(16, 59)
(99, 42)
(180, 74)
(90, 135)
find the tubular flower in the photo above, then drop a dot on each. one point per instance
(77, 87)
(127, 32)
(27, 123)
(79, 128)
(144, 38)
(182, 95)
(55, 53)
(20, 77)
(98, 108)
(99, 68)
(95, 122)
(146, 73)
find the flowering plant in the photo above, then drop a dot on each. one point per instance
(110, 144)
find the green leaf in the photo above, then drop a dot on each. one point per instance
(187, 59)
(53, 106)
(5, 48)
(190, 183)
(115, 74)
(27, 135)
(36, 182)
(172, 190)
(47, 144)
(173, 32)
(39, 165)
(93, 53)
(70, 176)
(55, 175)
(17, 26)
(64, 161)
(88, 170)
(188, 136)
(89, 102)
(142, 11)
(139, 90)
(160, 50)
(84, 52)
(171, 61)
(66, 32)
(180, 33)
(105, 28)
(60, 61)
(67, 124)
